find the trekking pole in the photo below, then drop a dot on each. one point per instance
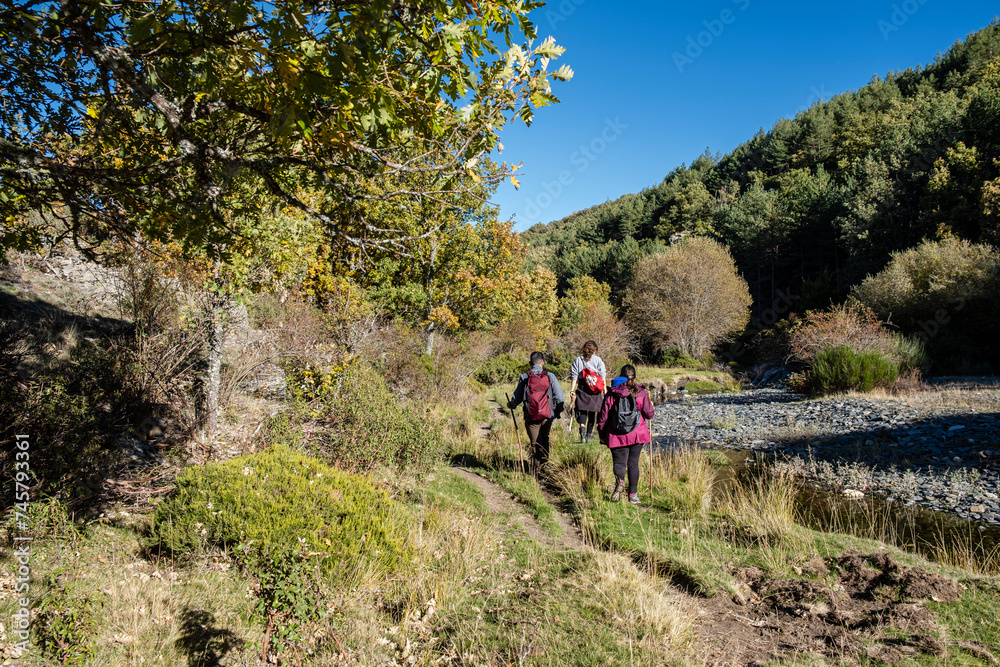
(517, 432)
(652, 436)
(650, 467)
(571, 411)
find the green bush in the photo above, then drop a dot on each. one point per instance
(503, 369)
(279, 498)
(911, 352)
(672, 358)
(841, 368)
(945, 293)
(65, 626)
(361, 423)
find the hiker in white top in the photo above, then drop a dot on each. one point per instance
(588, 376)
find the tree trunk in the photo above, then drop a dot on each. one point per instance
(429, 344)
(216, 326)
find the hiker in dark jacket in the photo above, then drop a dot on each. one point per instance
(624, 428)
(543, 400)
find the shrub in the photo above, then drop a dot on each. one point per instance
(854, 325)
(399, 361)
(945, 293)
(454, 365)
(841, 369)
(361, 424)
(276, 498)
(617, 343)
(66, 627)
(501, 370)
(75, 410)
(691, 297)
(288, 599)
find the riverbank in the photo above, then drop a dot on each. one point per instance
(939, 449)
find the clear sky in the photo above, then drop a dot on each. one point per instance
(658, 83)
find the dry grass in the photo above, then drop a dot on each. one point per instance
(686, 473)
(982, 398)
(452, 547)
(763, 503)
(640, 603)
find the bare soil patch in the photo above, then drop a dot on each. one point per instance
(859, 606)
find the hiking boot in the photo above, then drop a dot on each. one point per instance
(590, 436)
(583, 437)
(619, 489)
(633, 498)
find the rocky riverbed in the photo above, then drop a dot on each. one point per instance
(939, 449)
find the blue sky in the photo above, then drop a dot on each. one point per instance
(656, 83)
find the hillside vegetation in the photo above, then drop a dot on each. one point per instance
(822, 200)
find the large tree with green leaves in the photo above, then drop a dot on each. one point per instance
(166, 118)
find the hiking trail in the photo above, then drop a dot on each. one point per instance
(501, 502)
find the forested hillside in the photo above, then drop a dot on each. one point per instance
(819, 202)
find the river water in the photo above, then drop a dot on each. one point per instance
(937, 536)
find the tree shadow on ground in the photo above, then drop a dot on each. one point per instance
(63, 381)
(205, 644)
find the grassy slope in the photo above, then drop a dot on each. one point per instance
(480, 591)
(495, 597)
(698, 535)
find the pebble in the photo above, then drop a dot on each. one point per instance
(947, 459)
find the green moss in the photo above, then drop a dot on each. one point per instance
(275, 499)
(705, 387)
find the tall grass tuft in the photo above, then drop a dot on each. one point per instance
(582, 470)
(762, 506)
(641, 603)
(684, 477)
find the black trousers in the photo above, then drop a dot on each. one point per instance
(626, 459)
(588, 419)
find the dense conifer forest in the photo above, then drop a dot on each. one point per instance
(819, 202)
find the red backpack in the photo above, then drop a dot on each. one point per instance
(591, 381)
(538, 396)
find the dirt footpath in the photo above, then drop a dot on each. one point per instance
(853, 609)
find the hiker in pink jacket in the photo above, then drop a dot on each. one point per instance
(624, 428)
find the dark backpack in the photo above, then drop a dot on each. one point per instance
(626, 415)
(537, 398)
